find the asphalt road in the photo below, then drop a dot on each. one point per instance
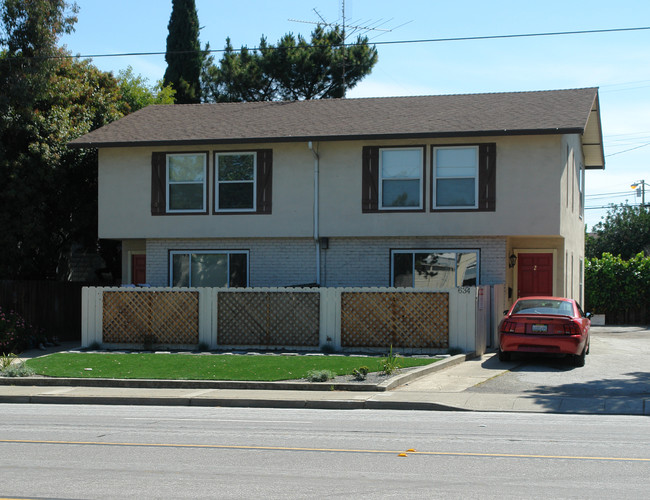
(618, 365)
(66, 451)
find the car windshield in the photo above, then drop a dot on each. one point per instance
(543, 306)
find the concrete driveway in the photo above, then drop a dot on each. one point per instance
(618, 365)
(615, 379)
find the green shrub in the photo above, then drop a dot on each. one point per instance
(17, 370)
(360, 373)
(614, 285)
(320, 375)
(16, 334)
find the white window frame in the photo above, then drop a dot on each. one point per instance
(228, 253)
(218, 182)
(169, 183)
(433, 250)
(420, 179)
(435, 178)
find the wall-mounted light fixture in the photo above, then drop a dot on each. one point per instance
(513, 260)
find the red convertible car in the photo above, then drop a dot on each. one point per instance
(551, 325)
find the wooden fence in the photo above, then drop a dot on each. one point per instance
(413, 320)
(54, 306)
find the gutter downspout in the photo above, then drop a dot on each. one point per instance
(316, 212)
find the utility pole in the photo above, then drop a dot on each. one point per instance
(640, 186)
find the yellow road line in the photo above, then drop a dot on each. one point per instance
(331, 450)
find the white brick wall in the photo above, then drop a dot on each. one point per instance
(366, 261)
(347, 261)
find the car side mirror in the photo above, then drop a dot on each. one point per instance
(505, 312)
(588, 315)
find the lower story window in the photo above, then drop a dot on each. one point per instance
(434, 268)
(208, 268)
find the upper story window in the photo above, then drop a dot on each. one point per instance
(243, 183)
(186, 175)
(235, 180)
(464, 178)
(401, 172)
(393, 179)
(455, 174)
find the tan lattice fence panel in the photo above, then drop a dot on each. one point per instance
(374, 319)
(268, 318)
(156, 317)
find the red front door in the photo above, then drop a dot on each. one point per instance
(138, 269)
(535, 274)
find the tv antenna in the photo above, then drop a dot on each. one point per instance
(358, 27)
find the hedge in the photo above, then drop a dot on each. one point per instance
(618, 288)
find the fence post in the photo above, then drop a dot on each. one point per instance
(329, 334)
(462, 318)
(91, 315)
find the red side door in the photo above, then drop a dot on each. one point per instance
(138, 269)
(535, 274)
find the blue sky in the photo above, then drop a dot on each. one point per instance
(618, 63)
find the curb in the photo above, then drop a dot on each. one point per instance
(230, 402)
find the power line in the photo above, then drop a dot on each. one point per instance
(626, 150)
(611, 205)
(395, 42)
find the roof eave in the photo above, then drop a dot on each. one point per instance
(324, 138)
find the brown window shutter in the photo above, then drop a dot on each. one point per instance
(264, 180)
(487, 177)
(158, 183)
(370, 179)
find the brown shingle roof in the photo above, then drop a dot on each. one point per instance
(555, 111)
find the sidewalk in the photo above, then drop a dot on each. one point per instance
(441, 386)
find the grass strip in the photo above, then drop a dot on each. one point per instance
(177, 366)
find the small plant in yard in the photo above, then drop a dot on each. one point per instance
(202, 347)
(320, 375)
(452, 351)
(17, 370)
(6, 360)
(390, 363)
(360, 373)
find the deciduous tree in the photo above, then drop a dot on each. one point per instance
(49, 191)
(624, 231)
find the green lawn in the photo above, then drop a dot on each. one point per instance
(203, 367)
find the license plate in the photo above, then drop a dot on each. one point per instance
(539, 328)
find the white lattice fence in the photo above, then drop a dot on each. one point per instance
(268, 318)
(383, 319)
(160, 317)
(342, 318)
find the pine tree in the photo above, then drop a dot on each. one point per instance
(184, 57)
(293, 69)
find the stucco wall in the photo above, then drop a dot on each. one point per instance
(529, 170)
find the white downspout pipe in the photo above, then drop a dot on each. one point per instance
(316, 214)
